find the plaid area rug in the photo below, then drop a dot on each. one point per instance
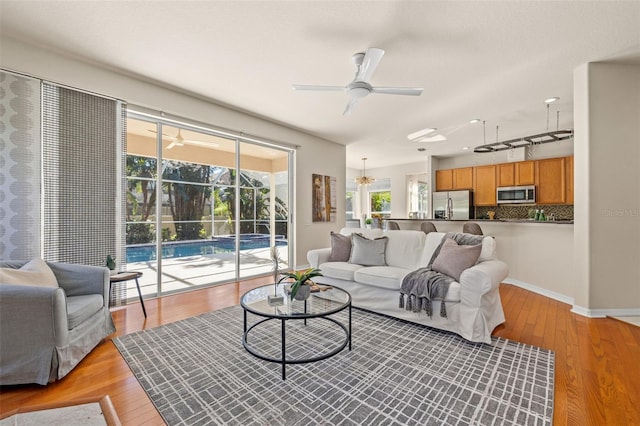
(197, 372)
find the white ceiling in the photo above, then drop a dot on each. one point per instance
(496, 61)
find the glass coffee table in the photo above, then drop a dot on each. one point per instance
(320, 305)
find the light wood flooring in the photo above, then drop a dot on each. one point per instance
(597, 360)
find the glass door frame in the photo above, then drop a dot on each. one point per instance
(160, 119)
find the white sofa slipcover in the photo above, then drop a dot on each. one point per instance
(473, 305)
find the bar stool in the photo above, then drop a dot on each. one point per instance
(472, 228)
(392, 226)
(427, 227)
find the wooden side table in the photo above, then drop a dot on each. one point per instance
(126, 276)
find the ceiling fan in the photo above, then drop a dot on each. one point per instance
(178, 140)
(360, 87)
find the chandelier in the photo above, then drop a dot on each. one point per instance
(364, 179)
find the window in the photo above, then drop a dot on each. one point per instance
(380, 198)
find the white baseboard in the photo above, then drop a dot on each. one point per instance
(543, 291)
(585, 312)
(602, 313)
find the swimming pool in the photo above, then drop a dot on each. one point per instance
(215, 245)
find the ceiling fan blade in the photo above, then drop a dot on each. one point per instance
(201, 143)
(171, 145)
(164, 135)
(408, 91)
(319, 88)
(351, 105)
(369, 64)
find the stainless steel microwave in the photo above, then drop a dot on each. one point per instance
(516, 195)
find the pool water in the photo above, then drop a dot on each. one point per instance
(215, 245)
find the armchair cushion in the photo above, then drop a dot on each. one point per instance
(81, 308)
(35, 272)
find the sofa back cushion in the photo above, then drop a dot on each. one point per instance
(369, 233)
(405, 248)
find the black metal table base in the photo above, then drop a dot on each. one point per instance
(283, 358)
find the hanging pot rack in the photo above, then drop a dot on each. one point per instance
(546, 137)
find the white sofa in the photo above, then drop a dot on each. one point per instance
(473, 305)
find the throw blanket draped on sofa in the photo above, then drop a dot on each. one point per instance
(424, 285)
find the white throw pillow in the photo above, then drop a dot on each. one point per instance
(36, 273)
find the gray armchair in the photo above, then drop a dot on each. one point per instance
(45, 332)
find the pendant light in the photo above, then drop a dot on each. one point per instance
(364, 179)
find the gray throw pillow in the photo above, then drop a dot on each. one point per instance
(340, 247)
(454, 258)
(368, 252)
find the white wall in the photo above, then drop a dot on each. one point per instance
(315, 155)
(607, 186)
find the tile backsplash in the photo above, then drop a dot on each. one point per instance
(562, 212)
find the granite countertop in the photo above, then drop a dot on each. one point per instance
(561, 222)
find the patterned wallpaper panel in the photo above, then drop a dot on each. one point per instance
(19, 167)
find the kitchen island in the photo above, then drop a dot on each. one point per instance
(539, 254)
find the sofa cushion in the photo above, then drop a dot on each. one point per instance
(80, 308)
(389, 277)
(454, 258)
(340, 248)
(339, 270)
(405, 248)
(369, 233)
(488, 249)
(368, 252)
(35, 273)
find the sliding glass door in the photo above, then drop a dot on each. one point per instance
(202, 208)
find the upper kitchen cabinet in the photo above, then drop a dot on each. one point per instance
(569, 179)
(444, 180)
(550, 179)
(524, 173)
(485, 189)
(463, 178)
(506, 174)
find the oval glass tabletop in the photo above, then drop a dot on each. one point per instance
(328, 300)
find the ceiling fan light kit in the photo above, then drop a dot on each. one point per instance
(366, 63)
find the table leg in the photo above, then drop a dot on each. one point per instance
(283, 350)
(144, 311)
(349, 326)
(305, 311)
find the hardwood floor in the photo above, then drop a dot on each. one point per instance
(597, 360)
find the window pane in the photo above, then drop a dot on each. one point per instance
(381, 201)
(185, 206)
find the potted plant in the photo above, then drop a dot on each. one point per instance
(301, 282)
(111, 264)
(368, 221)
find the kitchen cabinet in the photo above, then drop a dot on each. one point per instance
(444, 180)
(550, 179)
(569, 179)
(463, 178)
(506, 174)
(486, 183)
(524, 173)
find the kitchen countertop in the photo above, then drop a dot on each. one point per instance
(529, 221)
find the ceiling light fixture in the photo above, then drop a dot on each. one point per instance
(421, 133)
(364, 179)
(550, 136)
(474, 121)
(466, 148)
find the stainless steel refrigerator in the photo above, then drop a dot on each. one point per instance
(453, 205)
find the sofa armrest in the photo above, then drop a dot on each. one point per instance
(78, 280)
(32, 316)
(481, 279)
(317, 257)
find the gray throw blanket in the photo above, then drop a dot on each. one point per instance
(423, 285)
